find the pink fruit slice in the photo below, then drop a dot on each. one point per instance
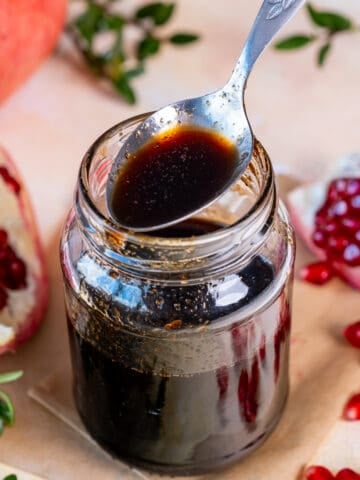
(23, 278)
(327, 216)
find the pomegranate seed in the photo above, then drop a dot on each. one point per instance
(16, 275)
(353, 187)
(352, 334)
(340, 186)
(316, 273)
(3, 298)
(338, 244)
(351, 224)
(331, 226)
(319, 238)
(347, 474)
(317, 472)
(355, 204)
(351, 255)
(339, 209)
(352, 408)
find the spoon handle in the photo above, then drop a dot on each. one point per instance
(272, 15)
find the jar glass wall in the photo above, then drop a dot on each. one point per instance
(179, 341)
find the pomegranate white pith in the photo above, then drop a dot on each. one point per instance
(26, 301)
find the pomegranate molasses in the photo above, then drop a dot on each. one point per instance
(171, 176)
(179, 337)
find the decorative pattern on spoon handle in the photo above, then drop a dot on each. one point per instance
(278, 7)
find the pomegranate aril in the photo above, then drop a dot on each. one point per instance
(319, 238)
(317, 273)
(331, 226)
(338, 243)
(3, 298)
(347, 474)
(355, 204)
(16, 275)
(339, 209)
(317, 472)
(351, 255)
(352, 334)
(352, 187)
(352, 408)
(351, 224)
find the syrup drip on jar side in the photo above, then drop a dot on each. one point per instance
(174, 174)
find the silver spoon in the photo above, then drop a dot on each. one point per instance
(222, 111)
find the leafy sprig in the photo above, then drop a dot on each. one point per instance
(12, 476)
(115, 62)
(329, 25)
(7, 415)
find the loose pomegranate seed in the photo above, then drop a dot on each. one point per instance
(3, 298)
(352, 408)
(352, 334)
(317, 273)
(317, 472)
(347, 474)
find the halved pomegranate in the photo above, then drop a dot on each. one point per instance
(327, 216)
(23, 278)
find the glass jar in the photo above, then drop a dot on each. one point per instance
(179, 342)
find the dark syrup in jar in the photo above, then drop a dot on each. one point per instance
(174, 174)
(182, 423)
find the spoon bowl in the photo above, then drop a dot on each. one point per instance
(222, 111)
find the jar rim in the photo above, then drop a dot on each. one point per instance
(108, 225)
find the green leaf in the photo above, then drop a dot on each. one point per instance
(323, 54)
(11, 376)
(330, 20)
(147, 47)
(90, 22)
(159, 12)
(123, 86)
(6, 409)
(134, 72)
(112, 22)
(294, 42)
(10, 477)
(1, 426)
(183, 38)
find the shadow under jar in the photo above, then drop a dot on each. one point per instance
(179, 341)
